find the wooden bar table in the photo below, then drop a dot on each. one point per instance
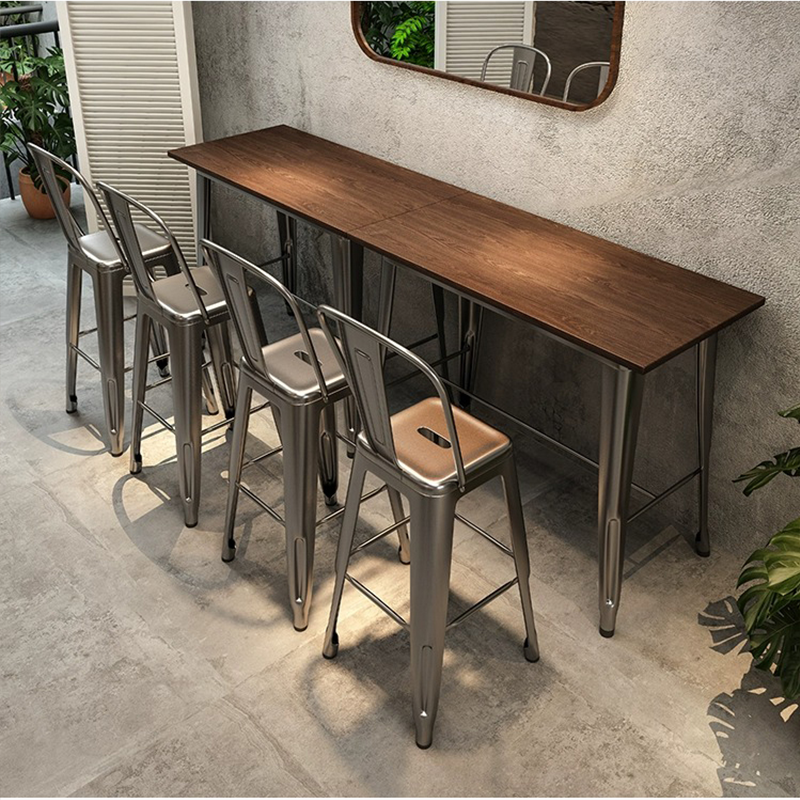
(629, 311)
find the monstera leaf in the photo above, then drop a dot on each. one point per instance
(771, 606)
(787, 463)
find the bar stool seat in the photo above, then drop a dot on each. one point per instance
(423, 448)
(291, 370)
(100, 247)
(409, 451)
(177, 298)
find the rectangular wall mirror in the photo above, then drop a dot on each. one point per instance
(560, 53)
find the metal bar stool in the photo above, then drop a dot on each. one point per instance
(96, 254)
(301, 379)
(433, 453)
(188, 305)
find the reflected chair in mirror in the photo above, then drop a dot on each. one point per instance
(301, 379)
(522, 64)
(97, 255)
(433, 453)
(603, 66)
(188, 305)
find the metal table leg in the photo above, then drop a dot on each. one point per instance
(203, 200)
(470, 316)
(621, 406)
(348, 288)
(706, 372)
(287, 232)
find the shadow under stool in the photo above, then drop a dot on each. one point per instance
(96, 254)
(300, 378)
(433, 453)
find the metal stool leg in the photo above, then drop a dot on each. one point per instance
(402, 532)
(241, 421)
(143, 328)
(300, 428)
(519, 544)
(74, 286)
(208, 392)
(219, 343)
(328, 454)
(159, 345)
(431, 553)
(186, 365)
(346, 536)
(111, 344)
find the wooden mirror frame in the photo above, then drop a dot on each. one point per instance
(613, 69)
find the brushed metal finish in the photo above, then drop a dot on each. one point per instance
(189, 306)
(523, 57)
(400, 450)
(301, 378)
(619, 426)
(706, 375)
(97, 255)
(348, 280)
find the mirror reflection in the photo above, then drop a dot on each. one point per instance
(559, 50)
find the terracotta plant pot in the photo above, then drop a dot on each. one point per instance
(37, 203)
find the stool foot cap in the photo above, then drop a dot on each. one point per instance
(331, 501)
(330, 651)
(606, 634)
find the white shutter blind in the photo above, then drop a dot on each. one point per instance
(133, 91)
(467, 31)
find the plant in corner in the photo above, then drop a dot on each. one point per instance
(770, 605)
(34, 108)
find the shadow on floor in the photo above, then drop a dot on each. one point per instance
(757, 729)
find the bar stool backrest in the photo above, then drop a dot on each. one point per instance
(120, 207)
(233, 272)
(362, 353)
(49, 167)
(523, 58)
(603, 77)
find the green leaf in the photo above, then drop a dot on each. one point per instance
(791, 413)
(787, 463)
(771, 606)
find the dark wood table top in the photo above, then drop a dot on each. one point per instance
(631, 308)
(628, 307)
(323, 182)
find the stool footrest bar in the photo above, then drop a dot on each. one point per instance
(481, 603)
(486, 535)
(157, 416)
(269, 453)
(258, 501)
(378, 536)
(387, 609)
(368, 496)
(85, 357)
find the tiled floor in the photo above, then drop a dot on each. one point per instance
(134, 661)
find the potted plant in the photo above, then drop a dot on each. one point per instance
(34, 107)
(771, 603)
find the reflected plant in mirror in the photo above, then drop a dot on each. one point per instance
(559, 53)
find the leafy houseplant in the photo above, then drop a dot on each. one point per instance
(34, 108)
(402, 31)
(771, 605)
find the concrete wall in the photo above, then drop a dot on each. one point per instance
(694, 159)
